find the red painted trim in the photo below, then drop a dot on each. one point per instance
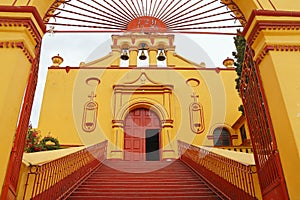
(116, 151)
(268, 13)
(121, 31)
(146, 68)
(26, 9)
(234, 137)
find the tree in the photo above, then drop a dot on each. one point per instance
(33, 140)
(240, 45)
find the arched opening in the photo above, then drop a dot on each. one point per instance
(221, 137)
(142, 135)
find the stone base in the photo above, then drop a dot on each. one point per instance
(116, 155)
(168, 155)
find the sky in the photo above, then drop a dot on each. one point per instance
(78, 47)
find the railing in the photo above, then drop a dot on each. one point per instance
(266, 154)
(233, 179)
(56, 179)
(244, 149)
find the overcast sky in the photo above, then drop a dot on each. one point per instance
(76, 48)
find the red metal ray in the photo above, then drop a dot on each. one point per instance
(170, 9)
(176, 15)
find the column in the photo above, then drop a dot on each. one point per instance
(152, 57)
(118, 140)
(168, 143)
(21, 32)
(133, 53)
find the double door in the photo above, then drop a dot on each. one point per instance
(142, 135)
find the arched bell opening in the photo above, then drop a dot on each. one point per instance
(161, 58)
(143, 56)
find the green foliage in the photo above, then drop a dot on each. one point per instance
(50, 143)
(240, 45)
(34, 143)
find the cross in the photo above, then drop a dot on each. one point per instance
(194, 96)
(92, 95)
(143, 79)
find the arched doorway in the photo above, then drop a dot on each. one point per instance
(142, 135)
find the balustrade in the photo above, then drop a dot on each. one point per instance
(231, 178)
(57, 178)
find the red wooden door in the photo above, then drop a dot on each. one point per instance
(136, 123)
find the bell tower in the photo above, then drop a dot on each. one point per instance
(143, 50)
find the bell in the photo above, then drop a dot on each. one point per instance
(161, 56)
(143, 56)
(124, 56)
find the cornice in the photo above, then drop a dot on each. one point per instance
(275, 47)
(25, 9)
(22, 22)
(18, 45)
(272, 25)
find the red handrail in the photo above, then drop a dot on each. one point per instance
(231, 178)
(57, 178)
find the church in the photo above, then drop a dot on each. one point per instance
(142, 95)
(143, 121)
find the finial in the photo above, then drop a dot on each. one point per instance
(228, 62)
(202, 64)
(56, 60)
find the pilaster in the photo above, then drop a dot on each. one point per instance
(152, 57)
(133, 53)
(21, 30)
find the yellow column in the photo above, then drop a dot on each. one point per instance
(133, 53)
(152, 57)
(277, 53)
(20, 36)
(170, 57)
(168, 144)
(118, 146)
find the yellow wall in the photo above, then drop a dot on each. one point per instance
(281, 86)
(17, 51)
(66, 94)
(14, 74)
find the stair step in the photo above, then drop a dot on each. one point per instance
(144, 198)
(154, 180)
(191, 189)
(199, 186)
(144, 194)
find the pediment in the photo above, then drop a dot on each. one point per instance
(143, 83)
(142, 79)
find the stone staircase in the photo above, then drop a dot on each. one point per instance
(144, 180)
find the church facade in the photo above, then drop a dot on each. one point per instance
(140, 104)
